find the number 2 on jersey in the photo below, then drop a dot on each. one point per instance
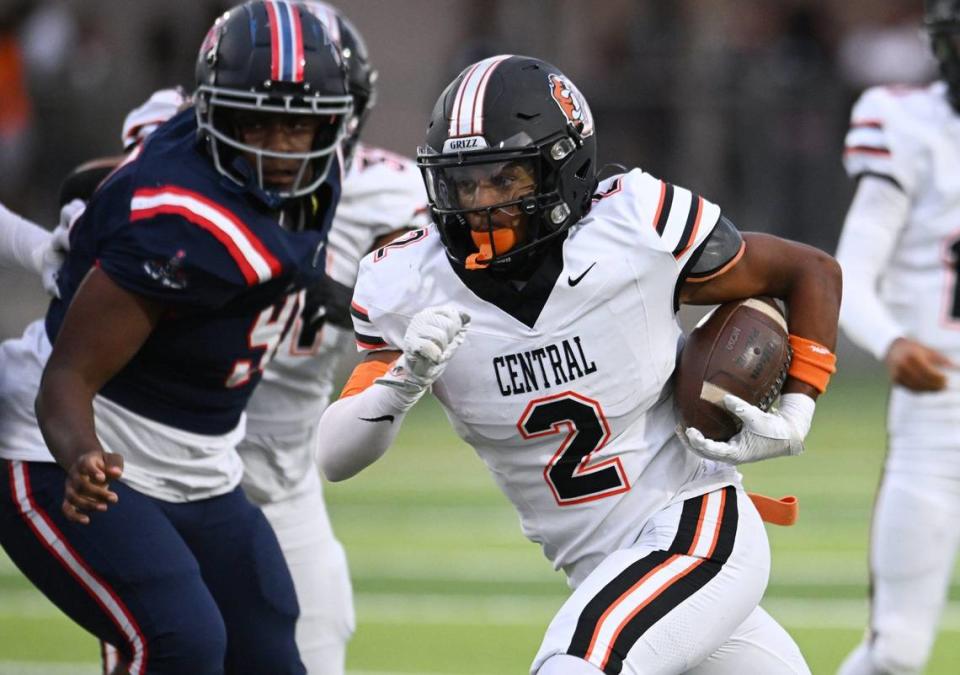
(569, 473)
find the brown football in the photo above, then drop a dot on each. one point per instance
(741, 348)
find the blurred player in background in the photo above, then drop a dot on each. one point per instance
(192, 257)
(561, 381)
(27, 245)
(382, 196)
(900, 253)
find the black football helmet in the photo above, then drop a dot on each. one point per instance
(510, 110)
(361, 76)
(271, 56)
(941, 18)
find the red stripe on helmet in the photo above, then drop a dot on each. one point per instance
(273, 19)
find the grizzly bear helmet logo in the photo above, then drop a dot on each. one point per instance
(572, 104)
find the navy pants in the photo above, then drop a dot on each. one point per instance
(198, 587)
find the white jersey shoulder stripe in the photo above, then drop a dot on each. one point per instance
(254, 260)
(365, 333)
(677, 218)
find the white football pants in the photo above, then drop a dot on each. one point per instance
(913, 544)
(683, 599)
(318, 566)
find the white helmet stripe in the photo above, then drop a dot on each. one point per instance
(467, 114)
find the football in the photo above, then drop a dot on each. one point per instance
(740, 348)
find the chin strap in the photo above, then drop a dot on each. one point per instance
(481, 259)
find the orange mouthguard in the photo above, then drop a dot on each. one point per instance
(503, 239)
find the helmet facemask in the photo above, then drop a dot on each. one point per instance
(218, 111)
(516, 208)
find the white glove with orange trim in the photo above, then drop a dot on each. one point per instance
(764, 434)
(432, 338)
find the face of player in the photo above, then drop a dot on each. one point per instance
(490, 193)
(282, 134)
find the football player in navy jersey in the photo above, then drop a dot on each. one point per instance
(185, 271)
(382, 198)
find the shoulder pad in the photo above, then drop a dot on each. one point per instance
(722, 247)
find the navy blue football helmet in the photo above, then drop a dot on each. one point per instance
(271, 56)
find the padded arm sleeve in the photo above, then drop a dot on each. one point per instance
(873, 224)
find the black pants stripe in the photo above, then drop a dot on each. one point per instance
(688, 531)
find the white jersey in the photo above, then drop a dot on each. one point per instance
(21, 364)
(910, 264)
(382, 193)
(912, 136)
(563, 387)
(160, 461)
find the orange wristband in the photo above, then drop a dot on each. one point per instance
(364, 375)
(812, 363)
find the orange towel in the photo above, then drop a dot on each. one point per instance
(783, 511)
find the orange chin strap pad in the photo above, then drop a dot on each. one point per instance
(364, 375)
(783, 511)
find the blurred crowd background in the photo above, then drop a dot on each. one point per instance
(746, 101)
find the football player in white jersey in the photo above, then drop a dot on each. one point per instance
(541, 310)
(900, 253)
(383, 196)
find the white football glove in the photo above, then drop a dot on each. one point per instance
(432, 337)
(49, 257)
(763, 436)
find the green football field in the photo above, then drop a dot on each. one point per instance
(445, 582)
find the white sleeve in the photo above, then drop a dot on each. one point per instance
(674, 219)
(22, 242)
(144, 119)
(880, 142)
(877, 215)
(355, 431)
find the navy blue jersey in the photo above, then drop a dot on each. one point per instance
(166, 225)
